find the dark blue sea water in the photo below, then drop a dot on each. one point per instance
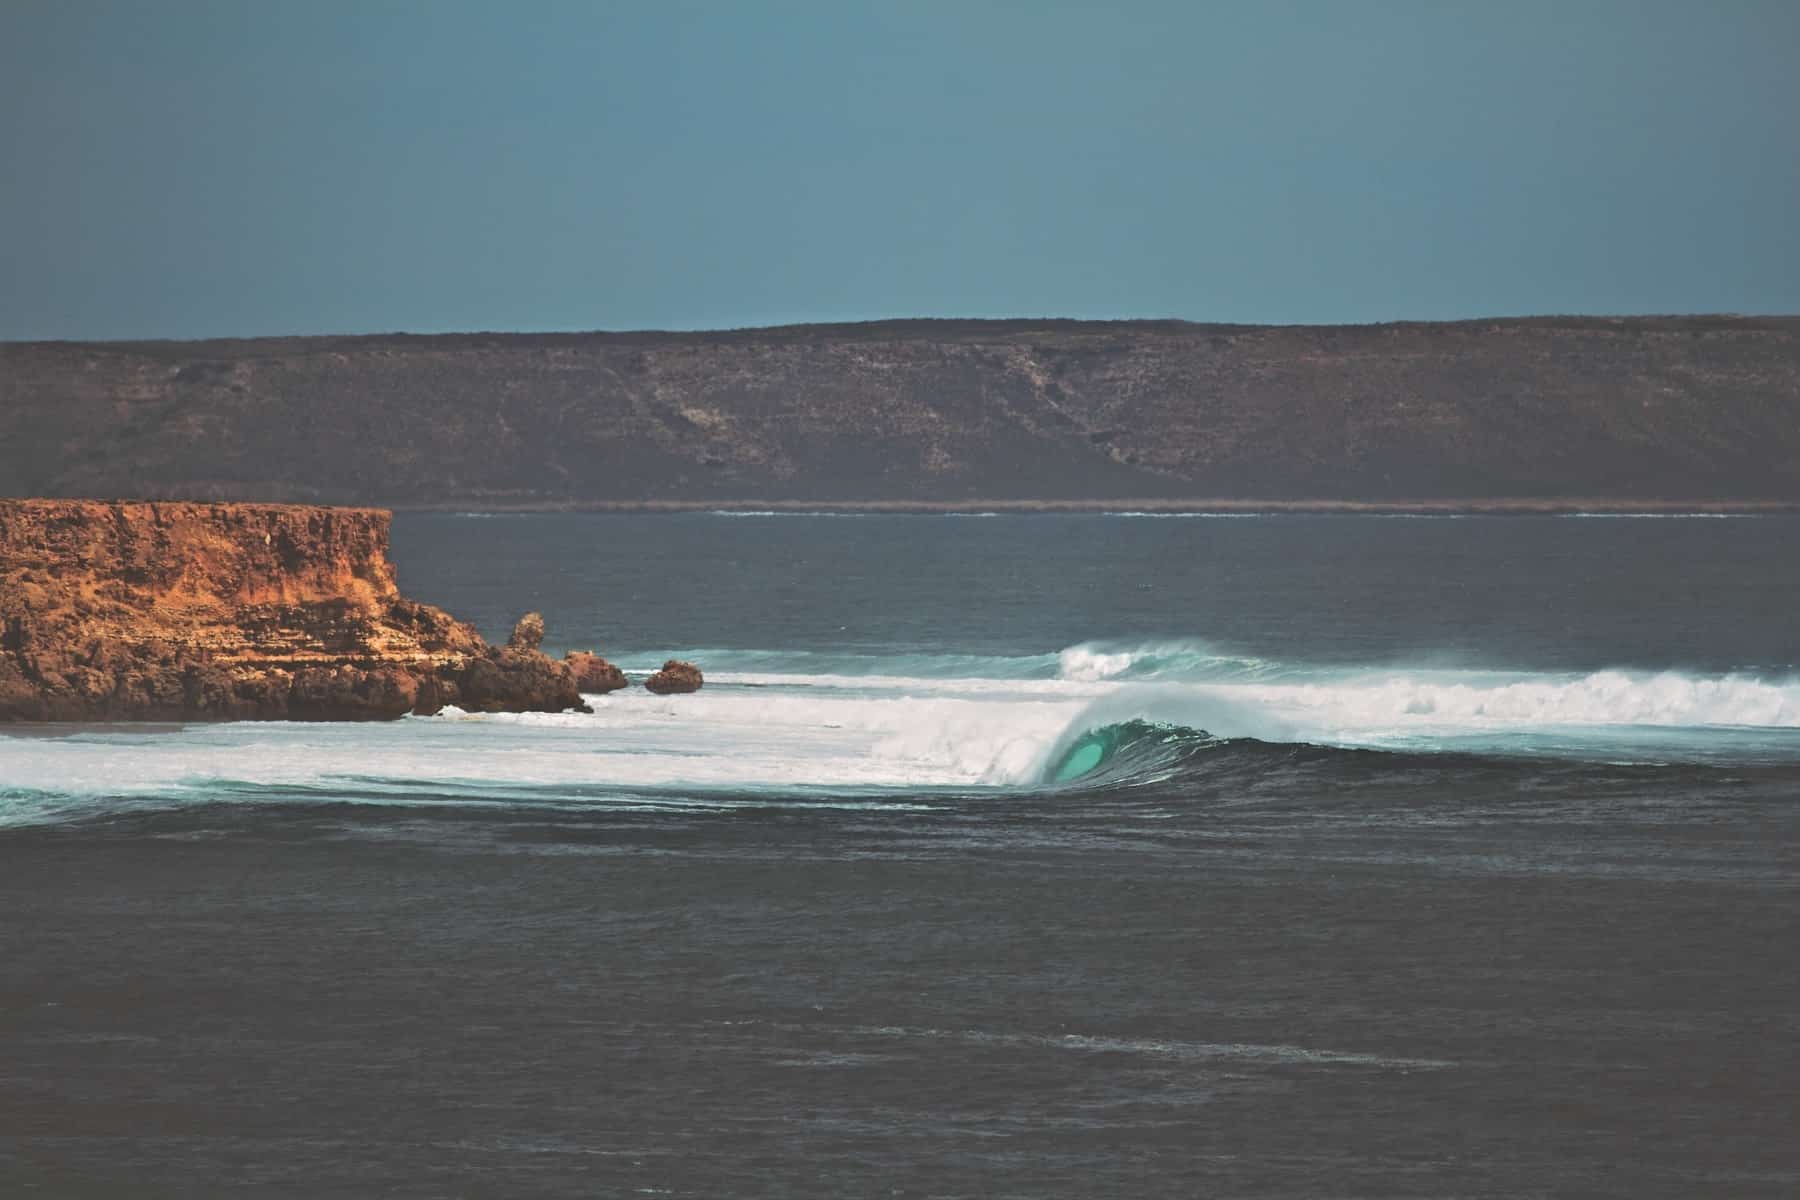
(1000, 856)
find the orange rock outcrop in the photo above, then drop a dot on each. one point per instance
(179, 611)
(593, 674)
(674, 678)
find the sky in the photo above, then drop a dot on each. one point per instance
(179, 169)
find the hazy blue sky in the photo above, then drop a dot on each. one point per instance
(182, 169)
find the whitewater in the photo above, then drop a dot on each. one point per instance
(1029, 855)
(874, 728)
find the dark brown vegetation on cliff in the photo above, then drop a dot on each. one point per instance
(173, 611)
(1638, 408)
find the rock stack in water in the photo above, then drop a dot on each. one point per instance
(594, 675)
(675, 676)
(178, 611)
(516, 677)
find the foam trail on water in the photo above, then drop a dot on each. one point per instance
(1174, 658)
(968, 722)
(1379, 702)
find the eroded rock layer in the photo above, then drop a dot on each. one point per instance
(176, 611)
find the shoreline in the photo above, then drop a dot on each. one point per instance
(1158, 507)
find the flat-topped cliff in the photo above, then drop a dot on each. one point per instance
(1648, 408)
(176, 611)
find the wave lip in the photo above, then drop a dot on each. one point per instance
(1099, 715)
(1132, 753)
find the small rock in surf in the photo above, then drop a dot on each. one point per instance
(675, 676)
(593, 674)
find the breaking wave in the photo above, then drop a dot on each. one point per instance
(858, 728)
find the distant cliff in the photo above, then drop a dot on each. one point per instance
(235, 611)
(1640, 408)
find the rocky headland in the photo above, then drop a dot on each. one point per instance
(1624, 410)
(186, 611)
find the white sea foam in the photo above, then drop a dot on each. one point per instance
(916, 685)
(1086, 663)
(787, 512)
(722, 739)
(765, 732)
(1603, 698)
(1184, 658)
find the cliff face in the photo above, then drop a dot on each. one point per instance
(171, 611)
(1642, 408)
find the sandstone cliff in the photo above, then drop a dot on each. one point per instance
(171, 611)
(1638, 408)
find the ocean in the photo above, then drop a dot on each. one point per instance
(1017, 855)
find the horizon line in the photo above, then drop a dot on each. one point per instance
(793, 326)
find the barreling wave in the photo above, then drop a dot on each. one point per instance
(861, 728)
(1131, 753)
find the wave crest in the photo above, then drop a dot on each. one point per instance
(909, 725)
(1399, 701)
(1184, 658)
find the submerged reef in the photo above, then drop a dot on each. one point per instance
(177, 611)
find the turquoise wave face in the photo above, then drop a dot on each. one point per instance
(1087, 755)
(891, 734)
(1128, 752)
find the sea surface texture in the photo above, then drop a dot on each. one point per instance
(1000, 856)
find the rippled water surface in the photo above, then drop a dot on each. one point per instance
(1001, 856)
